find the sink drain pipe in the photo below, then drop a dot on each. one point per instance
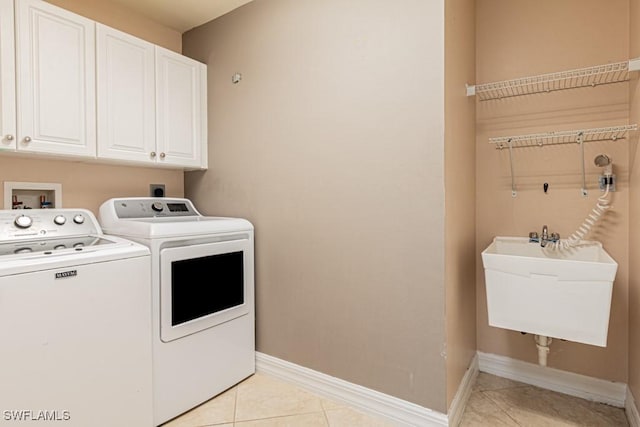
(543, 344)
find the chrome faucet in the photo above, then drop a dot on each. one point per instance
(545, 236)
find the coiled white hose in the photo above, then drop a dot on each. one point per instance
(596, 213)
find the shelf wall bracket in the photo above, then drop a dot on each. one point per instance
(580, 141)
(634, 64)
(514, 193)
(471, 89)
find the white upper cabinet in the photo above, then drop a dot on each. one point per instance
(55, 62)
(181, 111)
(72, 87)
(126, 96)
(7, 77)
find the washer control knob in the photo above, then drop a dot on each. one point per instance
(157, 206)
(78, 219)
(59, 219)
(23, 221)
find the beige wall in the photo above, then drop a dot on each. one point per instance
(518, 39)
(87, 185)
(124, 19)
(634, 212)
(332, 145)
(460, 197)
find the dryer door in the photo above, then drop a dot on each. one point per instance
(204, 285)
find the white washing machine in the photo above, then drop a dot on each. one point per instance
(202, 272)
(75, 322)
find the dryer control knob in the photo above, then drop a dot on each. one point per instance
(78, 219)
(59, 219)
(157, 206)
(23, 221)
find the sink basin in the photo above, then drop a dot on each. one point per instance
(551, 292)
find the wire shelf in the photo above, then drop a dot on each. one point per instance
(611, 133)
(582, 77)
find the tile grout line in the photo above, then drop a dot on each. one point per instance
(499, 407)
(324, 411)
(326, 417)
(235, 405)
(275, 417)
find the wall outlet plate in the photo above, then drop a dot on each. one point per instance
(156, 190)
(602, 181)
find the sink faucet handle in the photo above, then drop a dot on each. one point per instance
(544, 238)
(555, 237)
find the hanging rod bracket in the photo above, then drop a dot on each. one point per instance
(471, 89)
(634, 64)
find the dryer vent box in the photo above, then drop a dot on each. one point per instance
(32, 195)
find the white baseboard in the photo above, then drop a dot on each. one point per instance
(393, 409)
(594, 389)
(403, 413)
(632, 410)
(461, 398)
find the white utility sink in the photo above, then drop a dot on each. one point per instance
(559, 293)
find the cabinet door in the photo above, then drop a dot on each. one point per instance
(56, 80)
(126, 96)
(181, 110)
(7, 78)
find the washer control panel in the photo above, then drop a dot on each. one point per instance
(151, 207)
(46, 223)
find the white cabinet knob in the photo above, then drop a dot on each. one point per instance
(9, 137)
(27, 139)
(153, 154)
(162, 155)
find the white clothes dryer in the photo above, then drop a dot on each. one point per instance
(75, 322)
(202, 271)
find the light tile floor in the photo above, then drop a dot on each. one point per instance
(263, 401)
(496, 402)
